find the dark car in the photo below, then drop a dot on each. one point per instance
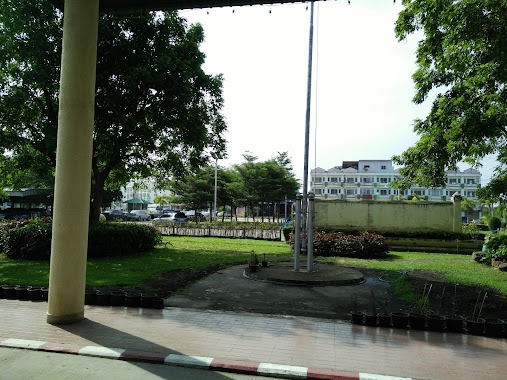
(115, 215)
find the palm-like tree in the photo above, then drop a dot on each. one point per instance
(160, 200)
(467, 206)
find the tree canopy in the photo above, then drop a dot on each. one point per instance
(157, 113)
(249, 184)
(462, 58)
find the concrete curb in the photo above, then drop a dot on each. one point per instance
(200, 362)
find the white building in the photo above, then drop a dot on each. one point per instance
(372, 179)
(144, 189)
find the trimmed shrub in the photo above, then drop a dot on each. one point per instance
(32, 241)
(366, 245)
(29, 241)
(494, 223)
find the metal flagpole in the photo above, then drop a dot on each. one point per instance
(307, 133)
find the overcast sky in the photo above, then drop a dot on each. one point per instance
(362, 85)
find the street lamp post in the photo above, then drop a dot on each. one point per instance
(214, 217)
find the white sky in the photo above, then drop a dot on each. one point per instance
(362, 87)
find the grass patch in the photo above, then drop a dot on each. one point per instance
(457, 269)
(185, 252)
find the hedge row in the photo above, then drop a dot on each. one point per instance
(365, 245)
(32, 240)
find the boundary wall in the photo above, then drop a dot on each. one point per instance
(389, 215)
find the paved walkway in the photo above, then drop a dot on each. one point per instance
(313, 346)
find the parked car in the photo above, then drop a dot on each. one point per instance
(139, 215)
(115, 215)
(162, 218)
(174, 217)
(195, 216)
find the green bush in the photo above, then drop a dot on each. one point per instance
(32, 240)
(286, 233)
(494, 223)
(366, 245)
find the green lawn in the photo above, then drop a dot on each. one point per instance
(458, 269)
(185, 252)
(193, 252)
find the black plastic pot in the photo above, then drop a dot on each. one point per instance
(384, 320)
(435, 322)
(494, 328)
(35, 294)
(103, 299)
(356, 317)
(133, 300)
(475, 326)
(90, 297)
(21, 292)
(370, 319)
(147, 300)
(455, 323)
(45, 294)
(400, 320)
(9, 292)
(117, 298)
(158, 303)
(417, 321)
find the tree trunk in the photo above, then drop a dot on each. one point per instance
(96, 199)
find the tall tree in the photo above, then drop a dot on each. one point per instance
(463, 59)
(157, 112)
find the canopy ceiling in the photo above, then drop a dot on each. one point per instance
(129, 5)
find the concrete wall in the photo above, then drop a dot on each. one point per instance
(393, 215)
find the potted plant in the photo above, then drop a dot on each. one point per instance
(356, 316)
(454, 322)
(253, 264)
(384, 318)
(264, 261)
(370, 319)
(417, 317)
(475, 325)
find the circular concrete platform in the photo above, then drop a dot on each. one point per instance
(321, 275)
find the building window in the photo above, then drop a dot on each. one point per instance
(367, 180)
(470, 181)
(435, 193)
(383, 192)
(383, 167)
(333, 191)
(453, 181)
(418, 192)
(333, 179)
(470, 193)
(318, 191)
(318, 179)
(367, 191)
(350, 192)
(384, 180)
(349, 180)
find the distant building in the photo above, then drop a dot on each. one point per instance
(372, 179)
(144, 189)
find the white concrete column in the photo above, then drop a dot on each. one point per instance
(67, 278)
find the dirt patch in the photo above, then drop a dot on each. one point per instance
(444, 298)
(468, 301)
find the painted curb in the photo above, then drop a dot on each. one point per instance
(200, 362)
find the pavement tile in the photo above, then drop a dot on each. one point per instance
(221, 338)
